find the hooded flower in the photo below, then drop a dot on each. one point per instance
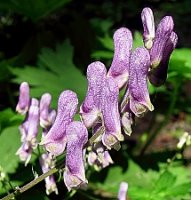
(47, 162)
(99, 157)
(101, 104)
(90, 110)
(119, 69)
(24, 99)
(127, 122)
(55, 140)
(137, 96)
(148, 26)
(122, 194)
(29, 131)
(25, 152)
(33, 122)
(111, 116)
(163, 33)
(45, 109)
(158, 75)
(77, 137)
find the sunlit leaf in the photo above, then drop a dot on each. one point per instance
(56, 73)
(9, 144)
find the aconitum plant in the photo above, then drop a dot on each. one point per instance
(105, 119)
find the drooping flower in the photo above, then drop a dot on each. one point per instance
(98, 156)
(111, 116)
(90, 109)
(29, 131)
(158, 75)
(123, 188)
(163, 33)
(24, 99)
(137, 96)
(55, 140)
(33, 122)
(119, 69)
(74, 174)
(45, 109)
(101, 104)
(47, 163)
(25, 152)
(148, 26)
(127, 121)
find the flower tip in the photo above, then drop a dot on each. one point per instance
(110, 141)
(55, 148)
(74, 182)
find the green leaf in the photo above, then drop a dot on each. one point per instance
(9, 118)
(137, 40)
(165, 181)
(56, 73)
(102, 54)
(180, 190)
(107, 42)
(9, 144)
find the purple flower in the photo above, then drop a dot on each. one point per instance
(148, 26)
(25, 152)
(55, 140)
(127, 121)
(122, 194)
(101, 104)
(163, 33)
(98, 156)
(119, 69)
(90, 110)
(45, 109)
(47, 162)
(24, 99)
(33, 122)
(77, 137)
(137, 95)
(29, 131)
(158, 75)
(111, 116)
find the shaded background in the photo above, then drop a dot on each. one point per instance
(44, 41)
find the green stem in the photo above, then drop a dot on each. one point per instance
(166, 120)
(30, 184)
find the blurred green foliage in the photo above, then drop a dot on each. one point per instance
(48, 43)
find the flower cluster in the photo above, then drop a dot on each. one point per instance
(100, 111)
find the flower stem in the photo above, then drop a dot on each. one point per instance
(31, 184)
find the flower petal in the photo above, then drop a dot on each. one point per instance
(77, 137)
(163, 33)
(55, 140)
(24, 99)
(111, 114)
(148, 26)
(158, 75)
(119, 69)
(139, 100)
